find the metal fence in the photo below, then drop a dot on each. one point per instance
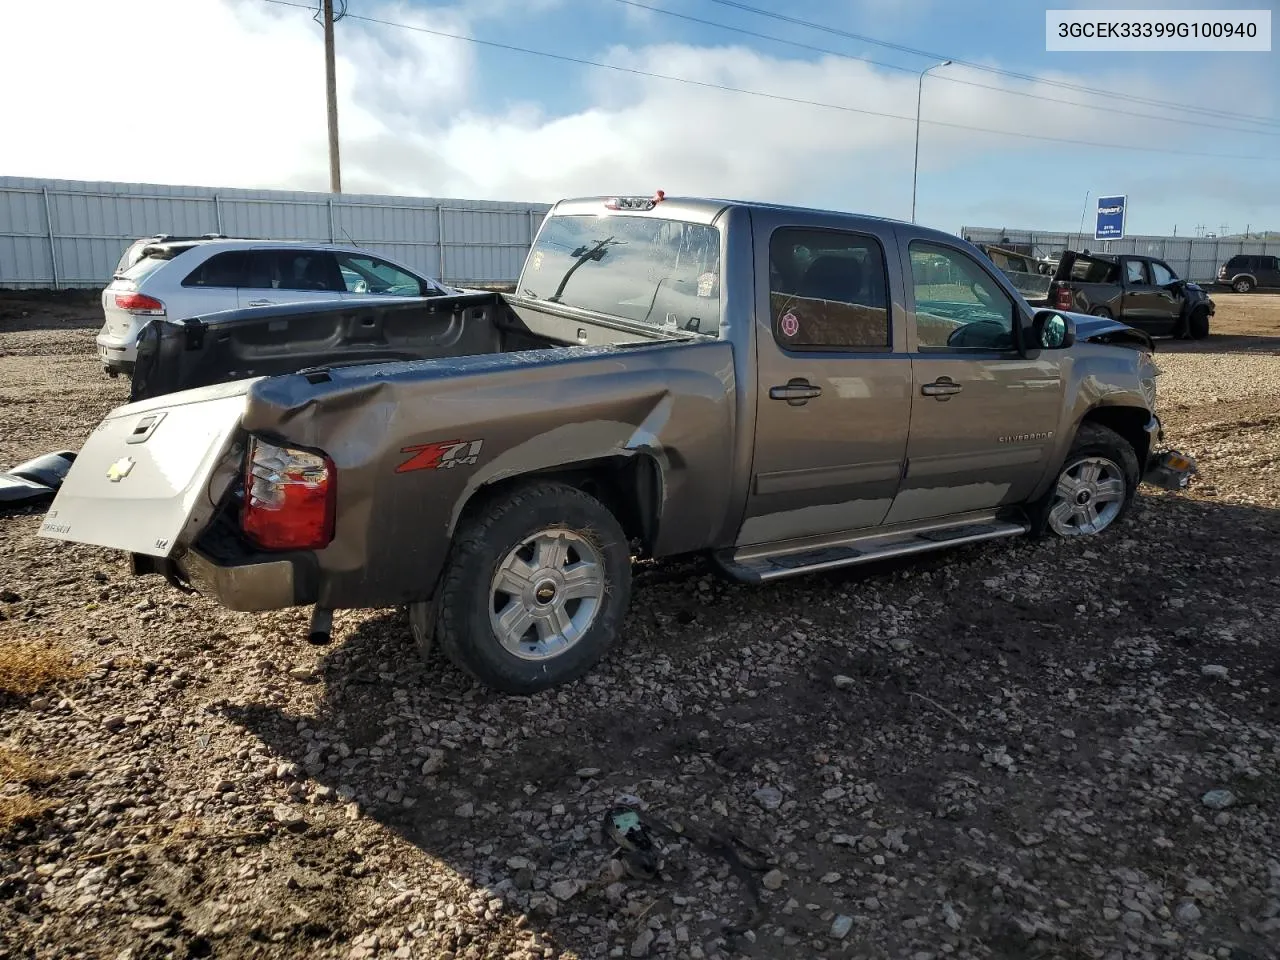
(65, 233)
(1192, 258)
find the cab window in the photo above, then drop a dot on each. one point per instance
(827, 290)
(959, 306)
(1161, 275)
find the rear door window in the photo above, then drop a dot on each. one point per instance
(222, 270)
(1087, 270)
(1135, 272)
(299, 270)
(828, 290)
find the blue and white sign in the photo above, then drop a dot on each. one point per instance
(1110, 224)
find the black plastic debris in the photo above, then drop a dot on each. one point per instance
(35, 481)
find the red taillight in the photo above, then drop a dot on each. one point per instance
(1062, 297)
(289, 498)
(139, 303)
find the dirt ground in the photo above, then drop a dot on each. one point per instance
(1032, 749)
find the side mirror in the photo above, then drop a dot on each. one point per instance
(1050, 330)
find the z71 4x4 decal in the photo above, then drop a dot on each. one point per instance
(441, 456)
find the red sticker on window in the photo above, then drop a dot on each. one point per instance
(790, 324)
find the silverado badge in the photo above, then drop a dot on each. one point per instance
(120, 469)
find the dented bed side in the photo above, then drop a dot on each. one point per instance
(392, 430)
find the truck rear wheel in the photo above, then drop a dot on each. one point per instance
(1242, 285)
(1102, 312)
(536, 589)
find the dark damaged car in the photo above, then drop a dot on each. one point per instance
(783, 390)
(1141, 291)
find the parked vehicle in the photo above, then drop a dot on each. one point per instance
(1141, 291)
(173, 280)
(1024, 271)
(784, 390)
(1250, 271)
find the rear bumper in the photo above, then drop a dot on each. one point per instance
(116, 353)
(248, 587)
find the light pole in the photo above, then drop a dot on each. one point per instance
(915, 168)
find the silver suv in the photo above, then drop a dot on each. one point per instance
(177, 279)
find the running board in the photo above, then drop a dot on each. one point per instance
(866, 549)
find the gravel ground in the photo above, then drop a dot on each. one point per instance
(1023, 750)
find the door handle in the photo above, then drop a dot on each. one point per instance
(261, 303)
(796, 392)
(942, 388)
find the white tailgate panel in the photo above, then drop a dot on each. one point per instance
(137, 482)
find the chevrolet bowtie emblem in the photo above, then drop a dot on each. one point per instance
(120, 469)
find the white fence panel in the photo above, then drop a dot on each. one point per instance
(62, 233)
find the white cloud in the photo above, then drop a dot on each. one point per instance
(229, 92)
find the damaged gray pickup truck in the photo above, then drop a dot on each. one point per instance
(785, 390)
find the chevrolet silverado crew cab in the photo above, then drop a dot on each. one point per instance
(1140, 291)
(784, 390)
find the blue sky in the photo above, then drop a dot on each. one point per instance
(426, 115)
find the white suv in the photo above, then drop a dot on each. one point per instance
(180, 279)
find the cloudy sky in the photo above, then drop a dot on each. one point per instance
(231, 93)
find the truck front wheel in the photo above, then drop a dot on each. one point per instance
(536, 589)
(1198, 324)
(1095, 487)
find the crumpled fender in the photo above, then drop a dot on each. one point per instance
(1106, 330)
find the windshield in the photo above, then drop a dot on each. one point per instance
(661, 272)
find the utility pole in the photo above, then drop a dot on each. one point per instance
(331, 94)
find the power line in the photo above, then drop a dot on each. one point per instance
(800, 101)
(911, 70)
(835, 31)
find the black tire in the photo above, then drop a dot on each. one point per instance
(464, 629)
(1198, 324)
(1091, 440)
(1242, 285)
(1102, 312)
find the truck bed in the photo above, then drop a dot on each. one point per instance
(289, 338)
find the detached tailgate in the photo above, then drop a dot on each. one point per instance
(141, 482)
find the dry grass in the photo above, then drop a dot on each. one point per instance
(21, 809)
(19, 767)
(27, 667)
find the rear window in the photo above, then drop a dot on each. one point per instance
(1086, 270)
(152, 260)
(1240, 262)
(661, 272)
